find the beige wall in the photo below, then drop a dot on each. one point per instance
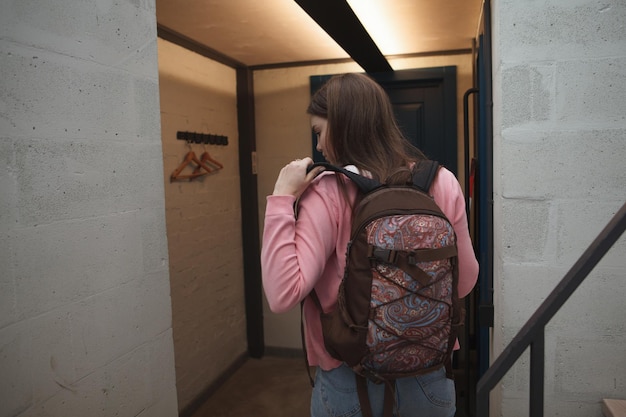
(203, 220)
(283, 133)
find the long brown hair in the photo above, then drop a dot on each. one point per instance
(362, 128)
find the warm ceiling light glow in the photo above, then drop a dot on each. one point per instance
(378, 20)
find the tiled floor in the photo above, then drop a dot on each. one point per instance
(268, 387)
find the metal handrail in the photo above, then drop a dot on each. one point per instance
(533, 332)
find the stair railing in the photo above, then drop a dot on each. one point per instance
(533, 332)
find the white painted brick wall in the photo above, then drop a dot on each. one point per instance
(559, 151)
(85, 316)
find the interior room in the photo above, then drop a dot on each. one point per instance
(140, 138)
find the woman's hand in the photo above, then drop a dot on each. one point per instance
(293, 178)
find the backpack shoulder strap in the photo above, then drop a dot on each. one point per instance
(424, 174)
(365, 184)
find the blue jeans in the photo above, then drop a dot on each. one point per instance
(335, 395)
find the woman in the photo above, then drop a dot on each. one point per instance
(355, 127)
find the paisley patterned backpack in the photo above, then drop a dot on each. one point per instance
(398, 307)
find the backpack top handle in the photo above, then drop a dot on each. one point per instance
(365, 184)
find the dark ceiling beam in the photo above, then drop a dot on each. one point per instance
(179, 39)
(339, 21)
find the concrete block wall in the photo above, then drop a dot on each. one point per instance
(283, 133)
(85, 316)
(203, 220)
(559, 149)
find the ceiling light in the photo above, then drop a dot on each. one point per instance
(378, 20)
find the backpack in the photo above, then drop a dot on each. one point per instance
(397, 308)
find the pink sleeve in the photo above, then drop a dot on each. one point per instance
(448, 195)
(294, 252)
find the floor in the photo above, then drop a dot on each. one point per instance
(268, 387)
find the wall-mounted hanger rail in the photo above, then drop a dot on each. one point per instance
(205, 138)
(205, 165)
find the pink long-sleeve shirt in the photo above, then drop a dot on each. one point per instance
(299, 255)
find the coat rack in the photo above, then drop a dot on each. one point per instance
(201, 166)
(206, 138)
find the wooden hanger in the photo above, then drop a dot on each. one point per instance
(206, 157)
(201, 169)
